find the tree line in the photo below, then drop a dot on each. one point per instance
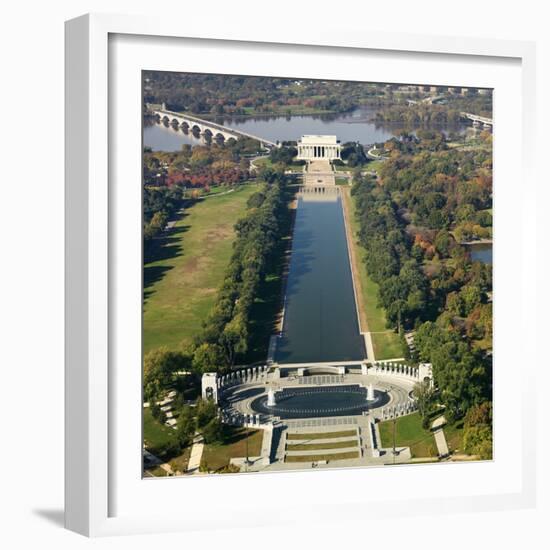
(219, 95)
(227, 330)
(427, 282)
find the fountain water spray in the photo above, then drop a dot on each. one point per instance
(271, 401)
(370, 393)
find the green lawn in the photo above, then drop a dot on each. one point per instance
(341, 180)
(321, 435)
(155, 434)
(409, 433)
(158, 472)
(182, 280)
(217, 456)
(263, 163)
(319, 457)
(321, 446)
(386, 343)
(155, 437)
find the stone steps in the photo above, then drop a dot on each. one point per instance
(309, 441)
(324, 451)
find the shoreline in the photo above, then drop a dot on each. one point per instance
(479, 241)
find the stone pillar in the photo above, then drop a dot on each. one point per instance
(209, 383)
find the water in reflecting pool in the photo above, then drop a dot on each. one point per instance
(320, 320)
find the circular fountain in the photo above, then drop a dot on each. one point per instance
(319, 401)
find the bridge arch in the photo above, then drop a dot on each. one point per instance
(195, 124)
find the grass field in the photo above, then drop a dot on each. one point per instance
(215, 457)
(321, 446)
(409, 433)
(319, 457)
(342, 180)
(453, 434)
(187, 267)
(321, 435)
(155, 434)
(180, 463)
(386, 343)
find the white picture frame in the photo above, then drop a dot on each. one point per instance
(103, 484)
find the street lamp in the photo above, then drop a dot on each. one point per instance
(394, 427)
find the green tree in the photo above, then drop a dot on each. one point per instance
(209, 358)
(185, 429)
(212, 432)
(478, 440)
(205, 411)
(479, 415)
(158, 368)
(424, 395)
(443, 243)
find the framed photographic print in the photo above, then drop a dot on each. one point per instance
(280, 276)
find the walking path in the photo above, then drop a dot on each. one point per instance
(196, 455)
(439, 435)
(354, 262)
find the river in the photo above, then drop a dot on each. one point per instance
(354, 126)
(320, 319)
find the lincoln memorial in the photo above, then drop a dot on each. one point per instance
(318, 148)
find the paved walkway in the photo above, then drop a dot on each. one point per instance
(196, 455)
(319, 172)
(439, 435)
(369, 346)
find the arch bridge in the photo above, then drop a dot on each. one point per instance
(478, 120)
(205, 127)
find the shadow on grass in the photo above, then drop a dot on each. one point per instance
(269, 300)
(234, 435)
(162, 248)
